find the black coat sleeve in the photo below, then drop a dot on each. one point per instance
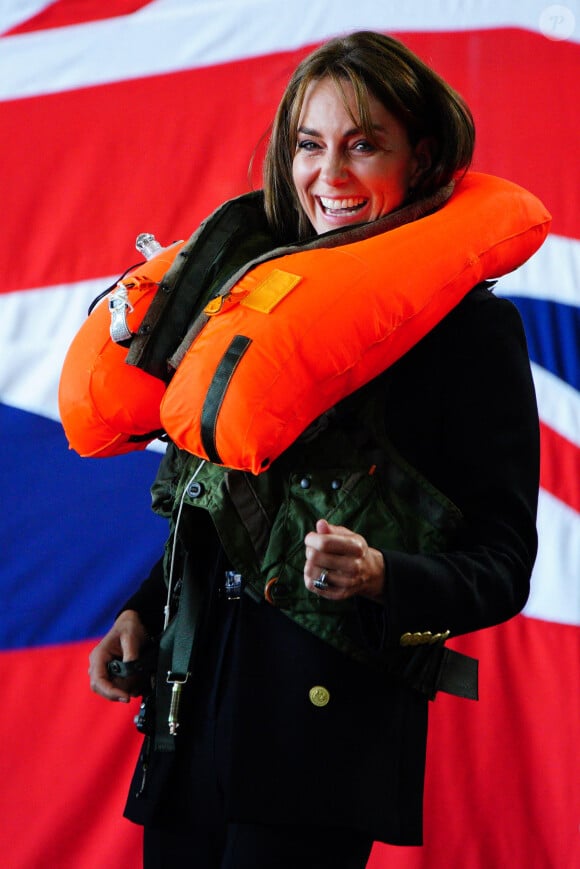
(149, 600)
(461, 407)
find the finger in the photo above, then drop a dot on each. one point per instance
(335, 566)
(131, 647)
(100, 681)
(328, 545)
(340, 530)
(323, 526)
(104, 687)
(337, 581)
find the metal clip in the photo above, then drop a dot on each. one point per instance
(177, 681)
(119, 304)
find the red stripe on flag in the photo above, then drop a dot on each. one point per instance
(63, 13)
(95, 167)
(560, 467)
(68, 762)
(83, 172)
(522, 89)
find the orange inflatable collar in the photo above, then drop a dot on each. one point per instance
(298, 332)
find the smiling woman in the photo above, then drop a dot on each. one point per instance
(302, 610)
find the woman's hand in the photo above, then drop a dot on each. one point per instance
(350, 564)
(125, 640)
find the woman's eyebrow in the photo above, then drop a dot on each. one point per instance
(309, 131)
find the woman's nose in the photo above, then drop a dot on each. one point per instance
(334, 169)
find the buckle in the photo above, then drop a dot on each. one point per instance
(232, 587)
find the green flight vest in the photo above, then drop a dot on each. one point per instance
(345, 470)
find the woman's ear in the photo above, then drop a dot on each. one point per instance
(422, 153)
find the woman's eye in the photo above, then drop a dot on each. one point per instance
(363, 145)
(308, 145)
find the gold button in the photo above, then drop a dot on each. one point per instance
(318, 695)
(405, 639)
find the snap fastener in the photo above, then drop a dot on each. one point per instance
(195, 489)
(319, 695)
(336, 484)
(305, 483)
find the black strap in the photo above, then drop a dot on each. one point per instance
(250, 509)
(458, 675)
(175, 656)
(432, 668)
(216, 392)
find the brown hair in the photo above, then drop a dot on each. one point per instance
(416, 95)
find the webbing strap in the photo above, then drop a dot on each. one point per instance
(175, 657)
(216, 392)
(250, 509)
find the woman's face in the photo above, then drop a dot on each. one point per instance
(341, 178)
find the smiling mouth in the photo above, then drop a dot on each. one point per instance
(342, 207)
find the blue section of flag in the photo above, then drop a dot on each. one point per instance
(77, 535)
(553, 333)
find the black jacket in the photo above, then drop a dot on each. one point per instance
(460, 407)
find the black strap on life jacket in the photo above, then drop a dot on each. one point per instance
(216, 393)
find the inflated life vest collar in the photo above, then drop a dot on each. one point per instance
(234, 239)
(301, 331)
(289, 332)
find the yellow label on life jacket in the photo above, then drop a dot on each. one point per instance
(271, 291)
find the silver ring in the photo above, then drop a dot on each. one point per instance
(321, 583)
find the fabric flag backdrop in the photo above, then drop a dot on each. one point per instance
(123, 116)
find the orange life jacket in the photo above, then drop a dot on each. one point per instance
(107, 407)
(298, 332)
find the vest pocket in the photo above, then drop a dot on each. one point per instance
(349, 498)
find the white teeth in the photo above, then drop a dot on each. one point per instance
(341, 204)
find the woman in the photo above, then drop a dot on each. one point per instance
(301, 731)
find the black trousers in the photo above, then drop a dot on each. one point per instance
(254, 846)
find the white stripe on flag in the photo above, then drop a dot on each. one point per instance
(151, 41)
(555, 594)
(558, 403)
(36, 330)
(552, 274)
